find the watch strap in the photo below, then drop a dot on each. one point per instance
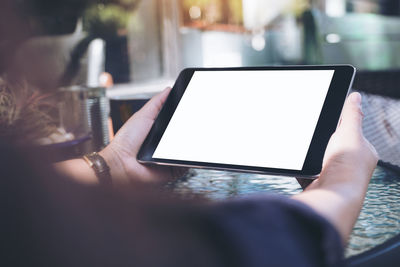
(100, 167)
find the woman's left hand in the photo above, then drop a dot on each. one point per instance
(121, 153)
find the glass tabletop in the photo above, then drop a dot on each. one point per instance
(379, 219)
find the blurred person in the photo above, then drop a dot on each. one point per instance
(50, 219)
(65, 215)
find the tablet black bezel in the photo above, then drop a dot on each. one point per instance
(327, 122)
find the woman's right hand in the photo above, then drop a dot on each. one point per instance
(349, 158)
(349, 162)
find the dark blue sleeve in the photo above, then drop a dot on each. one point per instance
(277, 231)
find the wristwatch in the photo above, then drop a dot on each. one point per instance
(100, 167)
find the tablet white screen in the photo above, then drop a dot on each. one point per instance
(254, 118)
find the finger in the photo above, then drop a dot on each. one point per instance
(154, 105)
(352, 115)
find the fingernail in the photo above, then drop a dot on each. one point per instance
(355, 98)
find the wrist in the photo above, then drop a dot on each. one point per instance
(77, 170)
(348, 176)
(351, 185)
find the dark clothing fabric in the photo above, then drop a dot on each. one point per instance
(50, 221)
(278, 231)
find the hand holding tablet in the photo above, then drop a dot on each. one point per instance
(265, 119)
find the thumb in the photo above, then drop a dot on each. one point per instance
(153, 106)
(352, 114)
(135, 130)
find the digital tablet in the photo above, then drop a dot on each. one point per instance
(272, 120)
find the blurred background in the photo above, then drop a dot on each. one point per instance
(135, 48)
(60, 56)
(142, 41)
(164, 36)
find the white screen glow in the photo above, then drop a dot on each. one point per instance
(251, 118)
